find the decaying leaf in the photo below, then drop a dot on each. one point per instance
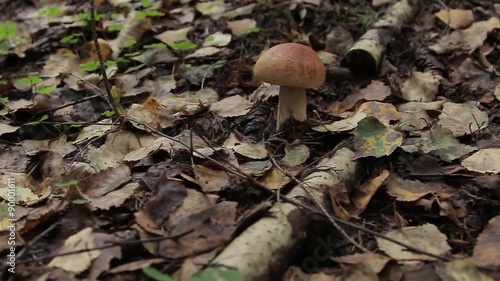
(425, 237)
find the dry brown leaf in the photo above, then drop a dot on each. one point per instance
(77, 262)
(456, 18)
(426, 237)
(421, 87)
(407, 190)
(486, 250)
(275, 179)
(462, 119)
(363, 193)
(484, 161)
(231, 106)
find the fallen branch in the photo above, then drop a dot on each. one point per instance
(365, 55)
(266, 248)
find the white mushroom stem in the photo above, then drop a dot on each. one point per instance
(292, 104)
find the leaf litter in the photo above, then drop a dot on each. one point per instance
(97, 200)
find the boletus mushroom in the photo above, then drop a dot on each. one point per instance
(294, 67)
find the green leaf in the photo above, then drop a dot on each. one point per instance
(151, 13)
(73, 38)
(115, 27)
(254, 29)
(51, 11)
(4, 100)
(110, 63)
(133, 54)
(129, 43)
(146, 3)
(91, 65)
(45, 90)
(66, 184)
(132, 69)
(8, 30)
(155, 45)
(33, 123)
(31, 80)
(185, 45)
(76, 125)
(156, 274)
(217, 274)
(219, 64)
(108, 113)
(372, 138)
(3, 82)
(79, 201)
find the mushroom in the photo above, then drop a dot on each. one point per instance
(293, 67)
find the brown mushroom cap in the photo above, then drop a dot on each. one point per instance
(290, 64)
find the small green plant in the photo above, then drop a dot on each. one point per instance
(66, 184)
(45, 90)
(90, 65)
(219, 64)
(367, 19)
(129, 43)
(254, 29)
(51, 11)
(8, 32)
(185, 45)
(150, 13)
(79, 201)
(155, 46)
(156, 274)
(115, 27)
(4, 100)
(132, 69)
(86, 16)
(72, 38)
(146, 3)
(39, 121)
(108, 113)
(31, 80)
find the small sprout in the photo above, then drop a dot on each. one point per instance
(135, 68)
(133, 54)
(146, 3)
(34, 123)
(32, 80)
(185, 45)
(155, 45)
(108, 113)
(130, 43)
(91, 65)
(254, 29)
(156, 274)
(8, 30)
(115, 27)
(79, 201)
(219, 64)
(45, 90)
(51, 11)
(66, 184)
(4, 100)
(72, 39)
(151, 13)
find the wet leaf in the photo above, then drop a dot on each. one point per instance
(372, 138)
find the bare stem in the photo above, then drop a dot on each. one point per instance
(292, 104)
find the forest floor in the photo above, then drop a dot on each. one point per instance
(171, 167)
